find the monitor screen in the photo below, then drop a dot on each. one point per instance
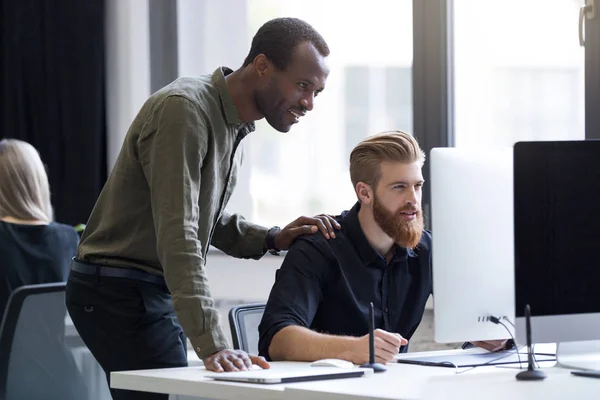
(557, 227)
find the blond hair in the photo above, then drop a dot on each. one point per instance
(24, 187)
(394, 146)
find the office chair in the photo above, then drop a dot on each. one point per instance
(243, 321)
(35, 363)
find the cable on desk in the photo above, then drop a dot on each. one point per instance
(488, 364)
(497, 321)
(537, 365)
(509, 321)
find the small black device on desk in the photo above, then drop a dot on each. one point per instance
(376, 367)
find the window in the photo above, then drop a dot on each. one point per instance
(536, 103)
(376, 96)
(356, 103)
(519, 71)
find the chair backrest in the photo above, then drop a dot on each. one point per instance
(35, 363)
(243, 321)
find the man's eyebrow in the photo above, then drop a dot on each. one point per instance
(405, 183)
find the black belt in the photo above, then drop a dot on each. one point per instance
(114, 272)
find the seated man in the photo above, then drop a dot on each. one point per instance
(319, 305)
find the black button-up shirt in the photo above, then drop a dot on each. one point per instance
(327, 285)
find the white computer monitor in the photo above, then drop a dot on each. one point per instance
(557, 246)
(473, 256)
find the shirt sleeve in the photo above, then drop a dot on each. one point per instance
(172, 167)
(297, 291)
(239, 238)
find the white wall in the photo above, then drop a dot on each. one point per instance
(236, 279)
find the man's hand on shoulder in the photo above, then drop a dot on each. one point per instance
(233, 360)
(306, 226)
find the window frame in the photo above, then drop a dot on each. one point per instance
(433, 82)
(592, 73)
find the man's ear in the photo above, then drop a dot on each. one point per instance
(262, 66)
(364, 192)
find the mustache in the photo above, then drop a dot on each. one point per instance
(409, 209)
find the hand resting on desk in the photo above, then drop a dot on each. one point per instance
(233, 360)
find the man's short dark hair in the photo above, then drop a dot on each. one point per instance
(278, 38)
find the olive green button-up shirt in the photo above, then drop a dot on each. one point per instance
(165, 199)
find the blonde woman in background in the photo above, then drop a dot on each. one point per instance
(33, 248)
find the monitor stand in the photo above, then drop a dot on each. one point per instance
(578, 355)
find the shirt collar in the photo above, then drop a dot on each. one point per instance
(367, 253)
(229, 108)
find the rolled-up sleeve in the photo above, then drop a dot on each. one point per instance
(297, 292)
(172, 159)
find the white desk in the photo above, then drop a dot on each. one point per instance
(401, 381)
(190, 381)
(499, 383)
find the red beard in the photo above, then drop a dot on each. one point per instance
(404, 233)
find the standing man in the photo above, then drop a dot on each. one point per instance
(139, 270)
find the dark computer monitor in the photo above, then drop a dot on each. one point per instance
(557, 245)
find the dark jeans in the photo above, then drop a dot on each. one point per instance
(127, 324)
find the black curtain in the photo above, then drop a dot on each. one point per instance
(52, 94)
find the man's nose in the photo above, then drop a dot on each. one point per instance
(308, 101)
(412, 198)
